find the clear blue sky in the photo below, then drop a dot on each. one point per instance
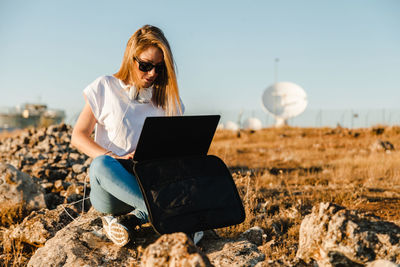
(344, 53)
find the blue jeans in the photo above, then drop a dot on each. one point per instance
(115, 190)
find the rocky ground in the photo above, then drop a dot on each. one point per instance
(312, 198)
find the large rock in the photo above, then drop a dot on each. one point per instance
(382, 263)
(47, 156)
(254, 235)
(333, 236)
(17, 187)
(82, 243)
(174, 250)
(225, 252)
(41, 225)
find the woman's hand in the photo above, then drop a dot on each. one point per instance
(127, 156)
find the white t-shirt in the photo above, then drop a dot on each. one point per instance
(109, 99)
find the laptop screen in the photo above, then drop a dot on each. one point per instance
(176, 136)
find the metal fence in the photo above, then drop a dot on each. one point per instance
(349, 118)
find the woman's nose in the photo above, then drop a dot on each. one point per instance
(152, 72)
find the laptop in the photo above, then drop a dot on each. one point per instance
(176, 136)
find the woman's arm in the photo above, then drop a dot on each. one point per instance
(81, 134)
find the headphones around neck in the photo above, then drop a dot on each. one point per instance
(143, 96)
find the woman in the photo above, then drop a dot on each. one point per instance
(116, 107)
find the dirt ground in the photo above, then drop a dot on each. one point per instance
(282, 173)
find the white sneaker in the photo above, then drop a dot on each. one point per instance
(197, 237)
(115, 231)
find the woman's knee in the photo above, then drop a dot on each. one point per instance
(99, 166)
(100, 162)
(106, 203)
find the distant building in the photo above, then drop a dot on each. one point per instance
(30, 114)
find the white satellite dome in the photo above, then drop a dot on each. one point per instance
(232, 126)
(253, 124)
(284, 100)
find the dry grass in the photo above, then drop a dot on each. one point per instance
(16, 253)
(282, 173)
(11, 213)
(13, 252)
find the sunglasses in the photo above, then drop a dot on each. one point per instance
(147, 66)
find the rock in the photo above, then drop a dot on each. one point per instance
(52, 129)
(56, 174)
(382, 263)
(62, 164)
(234, 253)
(284, 262)
(47, 186)
(78, 168)
(82, 243)
(82, 177)
(332, 235)
(37, 171)
(58, 185)
(17, 187)
(174, 250)
(88, 161)
(378, 131)
(46, 155)
(74, 156)
(41, 225)
(254, 235)
(380, 145)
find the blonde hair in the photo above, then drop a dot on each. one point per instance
(166, 93)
